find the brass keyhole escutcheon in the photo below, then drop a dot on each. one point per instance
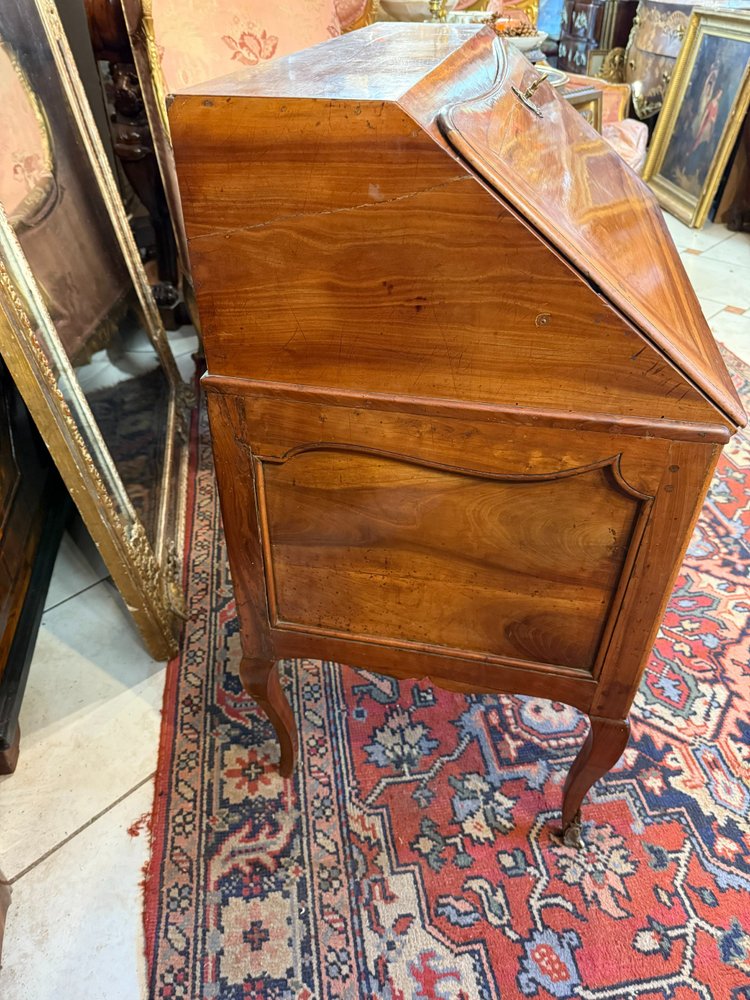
(526, 96)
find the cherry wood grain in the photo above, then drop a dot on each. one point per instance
(361, 295)
(442, 668)
(483, 413)
(259, 166)
(687, 474)
(402, 540)
(605, 742)
(464, 404)
(235, 421)
(260, 678)
(569, 183)
(273, 426)
(254, 436)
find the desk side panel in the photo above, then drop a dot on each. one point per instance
(498, 546)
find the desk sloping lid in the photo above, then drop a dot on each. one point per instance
(553, 171)
(560, 175)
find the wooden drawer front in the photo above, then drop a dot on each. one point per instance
(446, 533)
(380, 547)
(584, 21)
(573, 53)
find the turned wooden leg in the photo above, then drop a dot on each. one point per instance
(260, 678)
(606, 740)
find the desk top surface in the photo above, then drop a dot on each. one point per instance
(380, 62)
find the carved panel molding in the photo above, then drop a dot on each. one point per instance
(384, 526)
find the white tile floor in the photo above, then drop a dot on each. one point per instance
(90, 725)
(89, 735)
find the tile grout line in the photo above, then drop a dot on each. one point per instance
(724, 239)
(77, 594)
(731, 233)
(705, 255)
(84, 826)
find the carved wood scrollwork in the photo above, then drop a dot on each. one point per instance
(611, 462)
(613, 67)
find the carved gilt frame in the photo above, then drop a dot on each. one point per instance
(140, 24)
(146, 572)
(683, 205)
(148, 588)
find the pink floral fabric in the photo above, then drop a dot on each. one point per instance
(198, 40)
(24, 156)
(628, 137)
(350, 11)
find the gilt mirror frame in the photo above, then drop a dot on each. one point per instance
(139, 21)
(147, 573)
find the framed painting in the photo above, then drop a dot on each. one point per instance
(703, 111)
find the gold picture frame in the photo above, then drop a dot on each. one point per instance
(704, 107)
(139, 20)
(588, 103)
(595, 61)
(145, 567)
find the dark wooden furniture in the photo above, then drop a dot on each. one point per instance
(134, 146)
(464, 403)
(33, 508)
(734, 202)
(592, 25)
(647, 61)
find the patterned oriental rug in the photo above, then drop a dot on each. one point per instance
(413, 855)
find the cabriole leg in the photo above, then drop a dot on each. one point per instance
(260, 678)
(606, 740)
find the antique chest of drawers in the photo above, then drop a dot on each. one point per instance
(592, 25)
(647, 60)
(464, 403)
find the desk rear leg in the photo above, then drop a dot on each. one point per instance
(260, 679)
(606, 740)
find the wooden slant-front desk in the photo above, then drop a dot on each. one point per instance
(464, 403)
